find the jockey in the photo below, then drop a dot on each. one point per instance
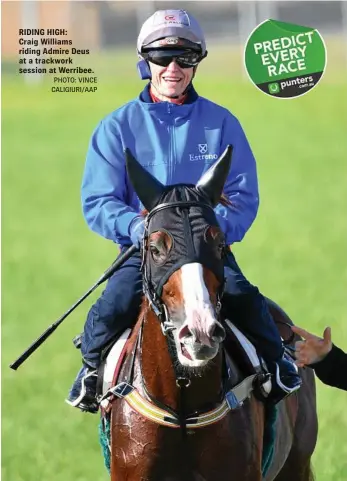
(176, 135)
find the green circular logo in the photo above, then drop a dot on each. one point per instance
(283, 59)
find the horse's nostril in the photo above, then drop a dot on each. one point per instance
(184, 333)
(218, 333)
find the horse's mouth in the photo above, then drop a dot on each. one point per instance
(195, 352)
(185, 352)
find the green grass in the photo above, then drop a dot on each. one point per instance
(295, 251)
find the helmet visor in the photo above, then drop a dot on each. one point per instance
(183, 58)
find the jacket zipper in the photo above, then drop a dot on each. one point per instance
(171, 147)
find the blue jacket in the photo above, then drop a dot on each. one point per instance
(175, 143)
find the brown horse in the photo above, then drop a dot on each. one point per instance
(177, 424)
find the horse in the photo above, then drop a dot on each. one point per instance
(174, 416)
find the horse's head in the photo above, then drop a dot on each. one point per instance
(183, 253)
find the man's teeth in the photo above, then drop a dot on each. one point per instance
(167, 79)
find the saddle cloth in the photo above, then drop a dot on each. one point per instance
(113, 359)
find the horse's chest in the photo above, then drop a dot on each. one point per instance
(156, 453)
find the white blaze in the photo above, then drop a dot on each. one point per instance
(199, 311)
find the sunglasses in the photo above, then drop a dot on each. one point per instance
(183, 58)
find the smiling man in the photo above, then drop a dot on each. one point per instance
(172, 62)
(176, 135)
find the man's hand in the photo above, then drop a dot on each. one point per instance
(313, 348)
(137, 230)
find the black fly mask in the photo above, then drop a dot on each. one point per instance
(186, 214)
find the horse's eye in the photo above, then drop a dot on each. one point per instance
(215, 238)
(160, 246)
(154, 250)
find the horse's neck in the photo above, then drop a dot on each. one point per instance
(159, 376)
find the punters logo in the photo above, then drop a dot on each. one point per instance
(283, 59)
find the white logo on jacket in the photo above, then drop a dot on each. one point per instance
(203, 149)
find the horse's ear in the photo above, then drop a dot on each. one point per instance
(212, 182)
(148, 189)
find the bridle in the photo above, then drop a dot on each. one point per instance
(160, 310)
(154, 300)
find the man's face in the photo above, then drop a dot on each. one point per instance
(170, 81)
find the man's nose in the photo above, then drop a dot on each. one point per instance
(173, 66)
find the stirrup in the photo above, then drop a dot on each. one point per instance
(288, 390)
(84, 401)
(280, 390)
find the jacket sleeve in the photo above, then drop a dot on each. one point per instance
(104, 185)
(241, 187)
(333, 369)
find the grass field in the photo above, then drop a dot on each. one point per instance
(295, 251)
